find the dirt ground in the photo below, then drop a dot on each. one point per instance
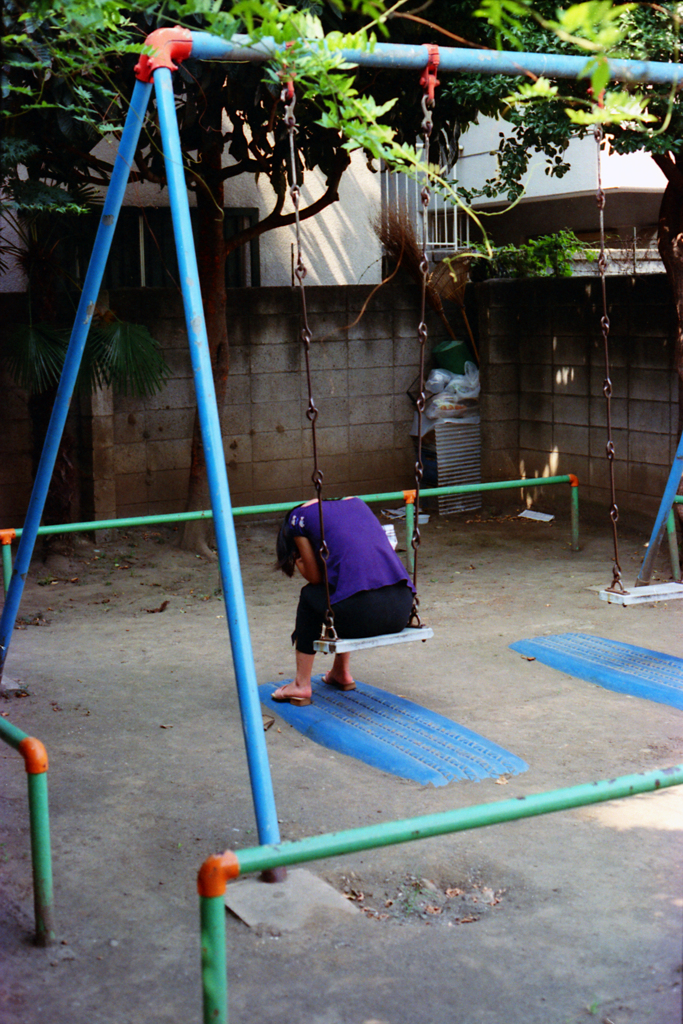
(562, 919)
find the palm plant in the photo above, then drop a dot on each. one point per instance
(119, 354)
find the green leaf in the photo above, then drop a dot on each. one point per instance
(125, 356)
(34, 355)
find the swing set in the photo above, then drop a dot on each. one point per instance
(168, 48)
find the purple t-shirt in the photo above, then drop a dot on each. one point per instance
(361, 556)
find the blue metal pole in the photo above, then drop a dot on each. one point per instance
(72, 362)
(674, 480)
(226, 541)
(451, 59)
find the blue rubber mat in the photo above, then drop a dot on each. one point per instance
(394, 735)
(616, 666)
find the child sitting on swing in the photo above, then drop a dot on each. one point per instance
(370, 590)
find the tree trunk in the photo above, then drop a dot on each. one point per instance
(670, 243)
(211, 261)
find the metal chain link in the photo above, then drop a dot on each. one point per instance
(425, 196)
(617, 586)
(288, 97)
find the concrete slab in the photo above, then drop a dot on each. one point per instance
(285, 906)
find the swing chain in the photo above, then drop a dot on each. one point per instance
(428, 82)
(288, 97)
(617, 586)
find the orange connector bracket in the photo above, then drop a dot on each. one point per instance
(7, 536)
(409, 497)
(573, 480)
(169, 44)
(215, 873)
(34, 755)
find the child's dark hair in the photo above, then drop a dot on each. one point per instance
(286, 550)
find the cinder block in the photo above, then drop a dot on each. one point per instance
(283, 477)
(275, 387)
(368, 382)
(327, 357)
(378, 353)
(170, 424)
(649, 449)
(618, 413)
(331, 442)
(132, 489)
(650, 417)
(570, 409)
(275, 330)
(371, 409)
(371, 437)
(571, 440)
(102, 431)
(239, 448)
(273, 446)
(571, 380)
(534, 378)
(538, 408)
(407, 352)
(535, 436)
(168, 455)
(328, 387)
(285, 358)
(279, 417)
(103, 462)
(502, 379)
(130, 459)
(128, 427)
(652, 385)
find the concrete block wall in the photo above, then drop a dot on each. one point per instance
(361, 369)
(543, 369)
(543, 412)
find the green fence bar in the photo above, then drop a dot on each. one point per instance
(218, 869)
(214, 974)
(285, 506)
(35, 759)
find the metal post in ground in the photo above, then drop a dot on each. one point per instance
(226, 542)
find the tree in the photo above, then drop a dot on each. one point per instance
(545, 116)
(68, 79)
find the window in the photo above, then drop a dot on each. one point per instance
(143, 253)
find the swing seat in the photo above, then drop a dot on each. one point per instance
(341, 646)
(644, 595)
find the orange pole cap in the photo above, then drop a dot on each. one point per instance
(573, 480)
(169, 44)
(7, 536)
(409, 497)
(34, 755)
(216, 872)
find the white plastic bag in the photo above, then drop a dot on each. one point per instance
(438, 380)
(465, 385)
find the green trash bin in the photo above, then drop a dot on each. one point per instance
(452, 355)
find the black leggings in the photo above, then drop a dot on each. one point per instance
(368, 613)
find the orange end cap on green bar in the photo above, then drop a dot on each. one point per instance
(216, 872)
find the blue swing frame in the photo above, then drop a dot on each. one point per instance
(168, 46)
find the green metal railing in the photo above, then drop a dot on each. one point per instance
(8, 535)
(35, 759)
(218, 869)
